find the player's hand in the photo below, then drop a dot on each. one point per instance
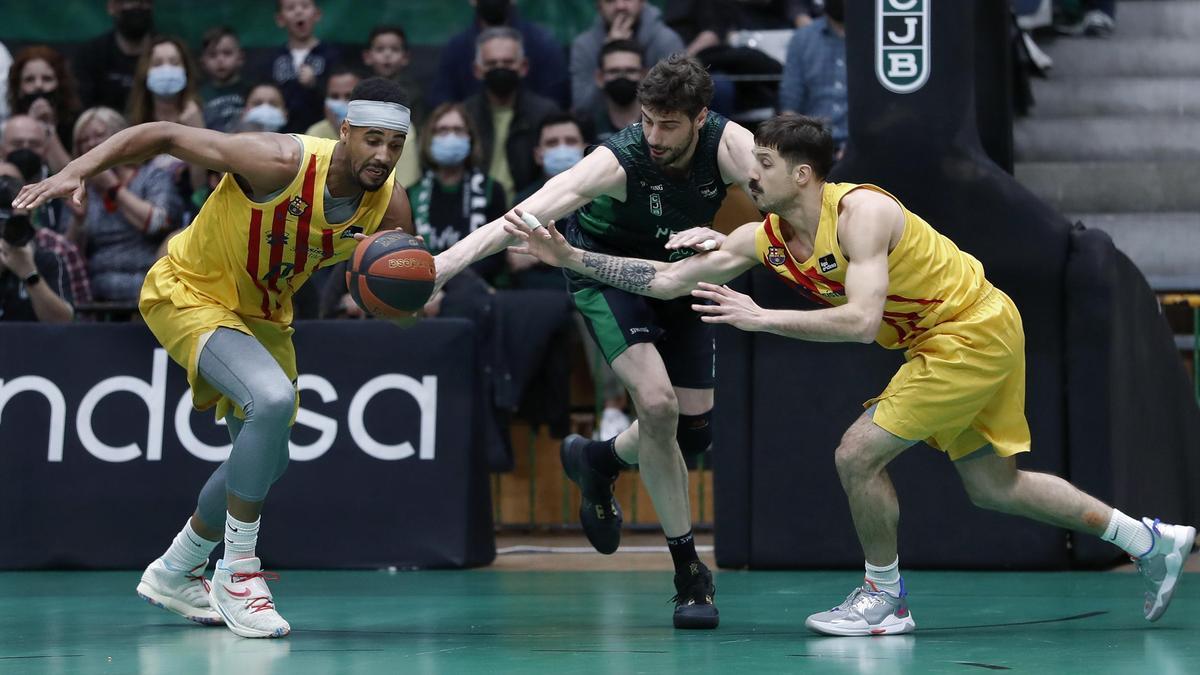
(62, 184)
(729, 306)
(702, 239)
(544, 243)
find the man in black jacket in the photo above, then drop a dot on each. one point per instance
(506, 114)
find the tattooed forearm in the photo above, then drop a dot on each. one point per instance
(622, 273)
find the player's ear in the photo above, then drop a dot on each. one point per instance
(344, 132)
(802, 174)
(702, 116)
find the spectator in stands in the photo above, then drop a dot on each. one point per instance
(43, 88)
(105, 66)
(505, 113)
(454, 196)
(164, 90)
(617, 20)
(387, 56)
(46, 239)
(224, 91)
(619, 71)
(300, 65)
(129, 210)
(338, 85)
(1094, 18)
(23, 142)
(264, 110)
(547, 73)
(814, 77)
(560, 147)
(33, 281)
(5, 63)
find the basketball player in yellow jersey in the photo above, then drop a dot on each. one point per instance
(220, 303)
(886, 276)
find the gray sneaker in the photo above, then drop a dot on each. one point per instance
(1162, 568)
(866, 611)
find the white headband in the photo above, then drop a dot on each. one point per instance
(382, 114)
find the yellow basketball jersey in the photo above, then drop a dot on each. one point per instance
(250, 257)
(929, 279)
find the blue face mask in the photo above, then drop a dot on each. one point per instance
(560, 158)
(266, 116)
(449, 149)
(338, 109)
(166, 80)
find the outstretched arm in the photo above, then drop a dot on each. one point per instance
(644, 277)
(267, 161)
(597, 174)
(864, 229)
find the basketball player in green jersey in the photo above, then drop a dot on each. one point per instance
(649, 191)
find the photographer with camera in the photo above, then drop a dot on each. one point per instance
(33, 282)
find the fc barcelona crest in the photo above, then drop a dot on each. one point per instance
(902, 44)
(297, 207)
(776, 255)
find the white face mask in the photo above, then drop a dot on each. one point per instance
(266, 116)
(166, 80)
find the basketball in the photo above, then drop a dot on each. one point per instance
(391, 274)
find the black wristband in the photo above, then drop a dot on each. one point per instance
(33, 280)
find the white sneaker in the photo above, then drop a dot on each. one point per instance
(240, 594)
(185, 593)
(1161, 569)
(612, 423)
(866, 611)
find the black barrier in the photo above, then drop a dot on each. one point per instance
(1135, 428)
(102, 457)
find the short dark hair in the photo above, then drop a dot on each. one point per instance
(379, 89)
(559, 117)
(616, 46)
(678, 83)
(215, 34)
(342, 69)
(388, 29)
(798, 140)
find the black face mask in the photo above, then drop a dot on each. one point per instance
(501, 81)
(29, 163)
(26, 101)
(836, 10)
(133, 24)
(492, 12)
(622, 90)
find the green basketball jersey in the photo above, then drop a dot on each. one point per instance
(656, 204)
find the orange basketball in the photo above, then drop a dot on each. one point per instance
(391, 274)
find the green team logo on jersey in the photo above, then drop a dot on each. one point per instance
(902, 44)
(655, 205)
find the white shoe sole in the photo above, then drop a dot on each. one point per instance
(159, 599)
(1182, 546)
(890, 626)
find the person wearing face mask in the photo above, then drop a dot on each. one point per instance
(104, 67)
(338, 85)
(454, 195)
(547, 74)
(506, 114)
(814, 75)
(635, 20)
(264, 110)
(620, 69)
(44, 89)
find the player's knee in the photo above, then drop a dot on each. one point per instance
(993, 495)
(694, 434)
(852, 461)
(272, 404)
(658, 410)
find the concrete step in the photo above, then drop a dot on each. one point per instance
(1110, 96)
(1108, 187)
(1178, 18)
(1125, 57)
(1164, 246)
(1107, 138)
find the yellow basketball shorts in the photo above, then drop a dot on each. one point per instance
(179, 316)
(962, 385)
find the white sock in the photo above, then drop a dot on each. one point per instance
(885, 578)
(1132, 536)
(240, 538)
(188, 550)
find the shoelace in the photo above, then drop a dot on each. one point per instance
(192, 575)
(257, 603)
